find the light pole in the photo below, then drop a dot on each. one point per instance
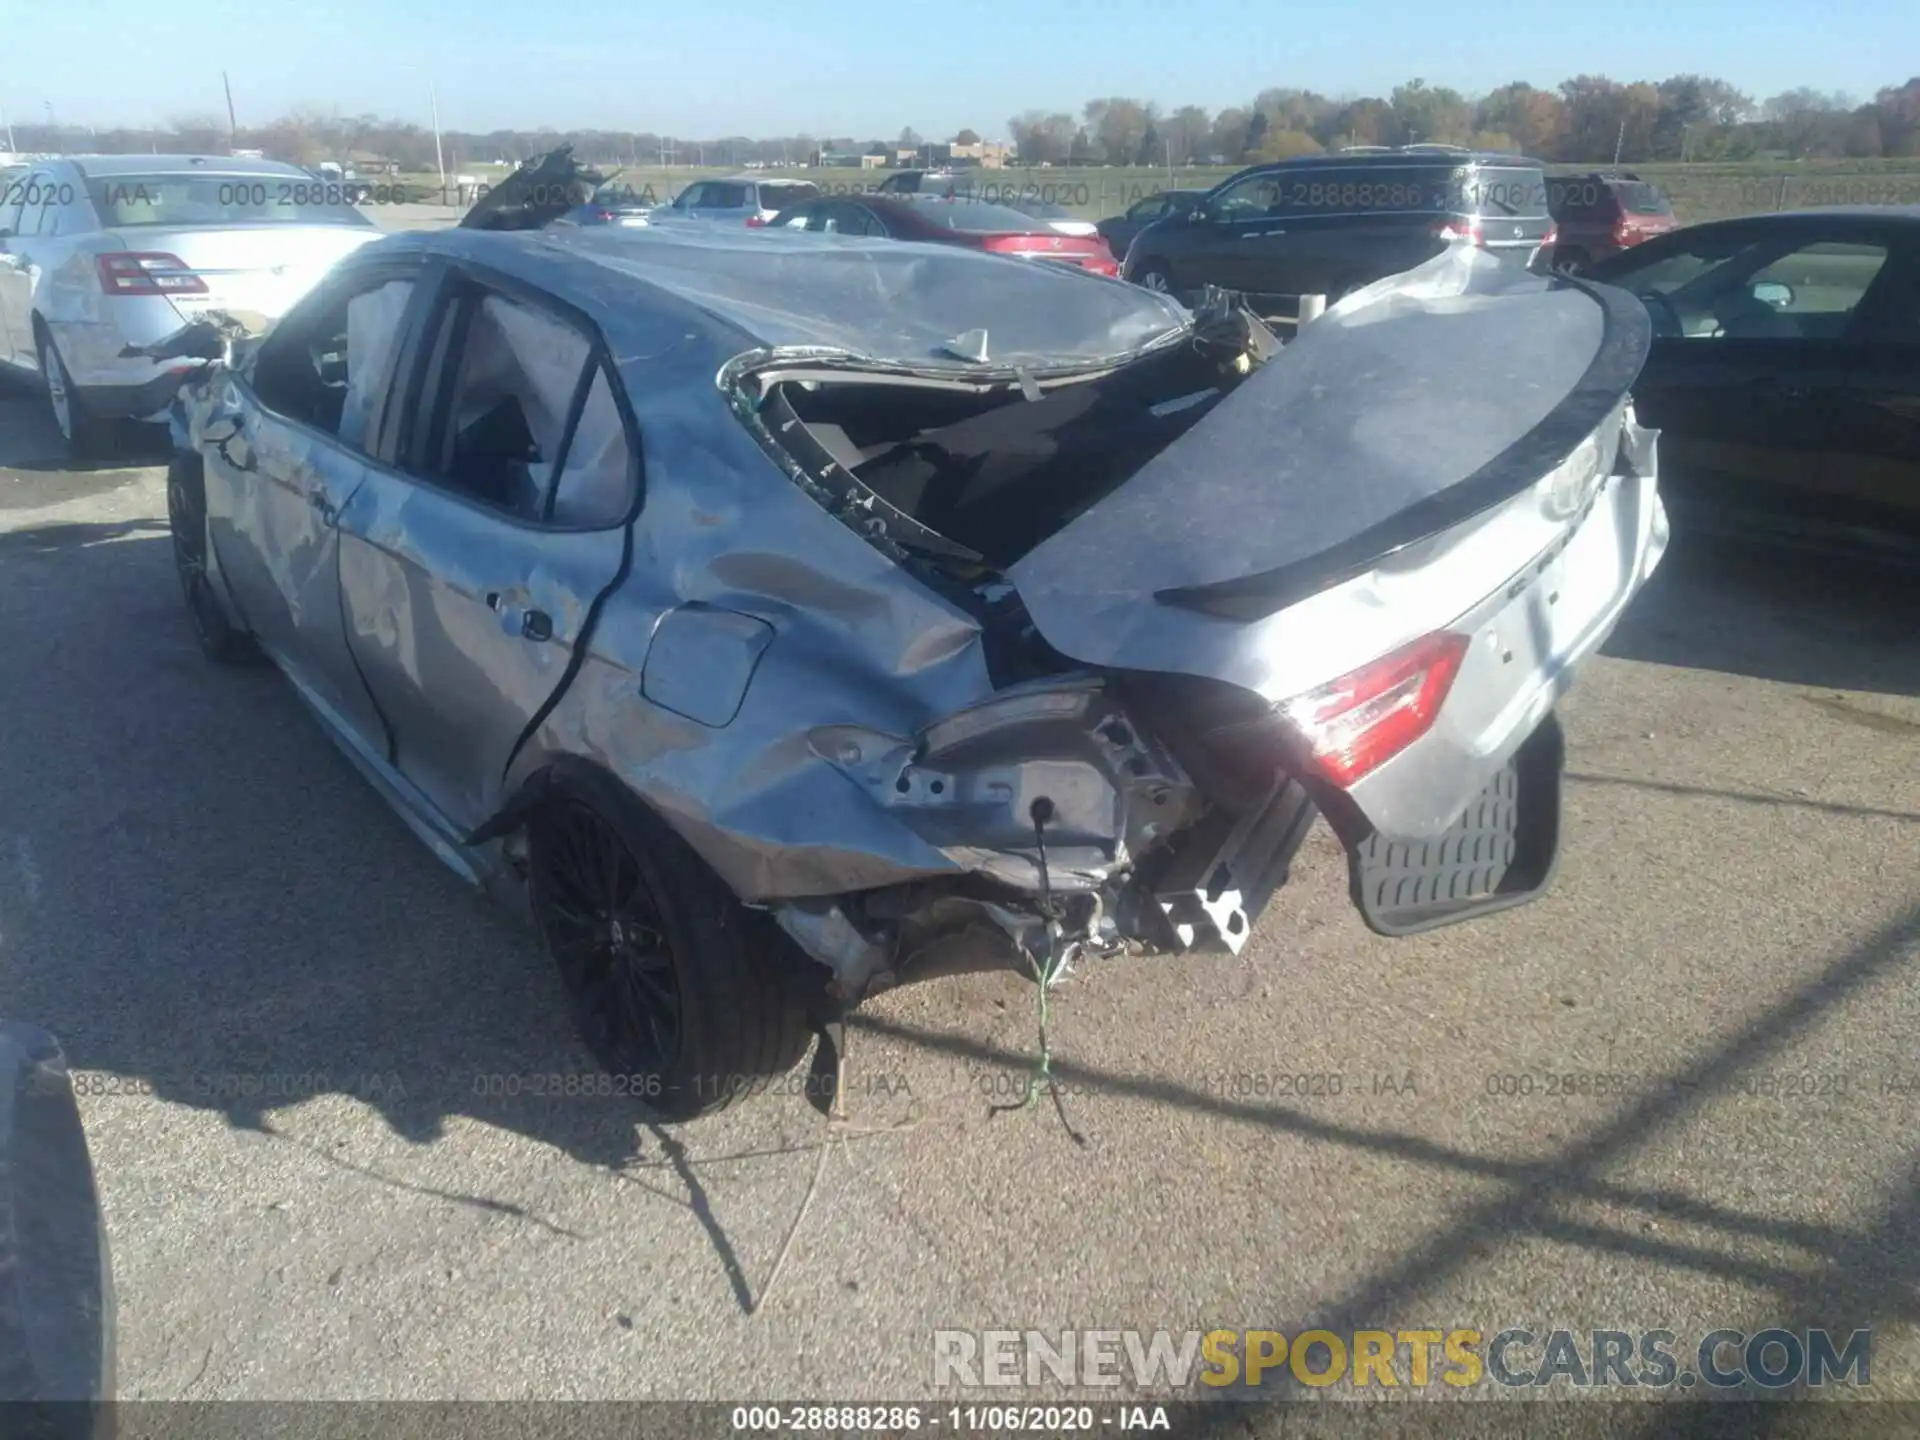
(439, 160)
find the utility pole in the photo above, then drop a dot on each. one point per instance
(1619, 143)
(7, 125)
(53, 127)
(233, 126)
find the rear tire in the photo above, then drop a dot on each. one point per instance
(1154, 276)
(688, 997)
(85, 434)
(221, 641)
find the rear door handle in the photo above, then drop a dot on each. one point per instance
(536, 625)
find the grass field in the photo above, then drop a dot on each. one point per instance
(1698, 191)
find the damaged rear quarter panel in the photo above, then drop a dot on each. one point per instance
(855, 641)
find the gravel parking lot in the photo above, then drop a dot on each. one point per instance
(195, 888)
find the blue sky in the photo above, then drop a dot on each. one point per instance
(866, 68)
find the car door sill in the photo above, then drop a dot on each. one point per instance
(419, 813)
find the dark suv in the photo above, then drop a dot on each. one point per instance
(1327, 224)
(1601, 215)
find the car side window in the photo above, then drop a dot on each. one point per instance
(1150, 208)
(507, 376)
(1250, 199)
(689, 197)
(856, 220)
(1824, 283)
(13, 200)
(39, 192)
(330, 362)
(1891, 314)
(595, 487)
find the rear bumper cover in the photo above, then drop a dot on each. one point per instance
(1501, 852)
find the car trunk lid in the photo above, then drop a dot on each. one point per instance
(1415, 405)
(263, 270)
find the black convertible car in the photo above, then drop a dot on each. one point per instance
(1785, 374)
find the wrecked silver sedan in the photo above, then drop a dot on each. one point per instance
(782, 620)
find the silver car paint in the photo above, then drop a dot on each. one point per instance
(53, 276)
(811, 718)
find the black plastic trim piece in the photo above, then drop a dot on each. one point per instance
(1626, 338)
(1503, 850)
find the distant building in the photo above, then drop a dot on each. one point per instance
(848, 160)
(982, 154)
(364, 163)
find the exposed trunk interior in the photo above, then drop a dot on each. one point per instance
(1000, 471)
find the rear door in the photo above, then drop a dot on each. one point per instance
(471, 572)
(304, 425)
(1870, 474)
(1243, 244)
(1347, 227)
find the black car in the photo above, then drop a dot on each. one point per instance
(1785, 374)
(1119, 230)
(1327, 224)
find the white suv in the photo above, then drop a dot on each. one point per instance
(102, 252)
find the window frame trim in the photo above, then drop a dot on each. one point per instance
(451, 280)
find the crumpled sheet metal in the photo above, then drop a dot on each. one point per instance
(860, 647)
(885, 299)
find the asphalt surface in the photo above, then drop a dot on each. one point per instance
(197, 894)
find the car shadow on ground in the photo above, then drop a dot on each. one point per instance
(1797, 618)
(201, 897)
(31, 448)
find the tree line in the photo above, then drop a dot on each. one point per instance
(1589, 119)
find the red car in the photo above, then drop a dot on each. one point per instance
(1599, 215)
(976, 224)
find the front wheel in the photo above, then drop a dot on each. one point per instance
(684, 995)
(220, 640)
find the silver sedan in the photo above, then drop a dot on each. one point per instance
(782, 620)
(102, 252)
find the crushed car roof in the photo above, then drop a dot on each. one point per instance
(883, 300)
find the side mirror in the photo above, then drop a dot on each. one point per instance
(1773, 292)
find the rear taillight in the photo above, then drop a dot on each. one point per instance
(1013, 244)
(1552, 237)
(147, 272)
(1362, 720)
(1108, 267)
(756, 222)
(603, 216)
(1465, 232)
